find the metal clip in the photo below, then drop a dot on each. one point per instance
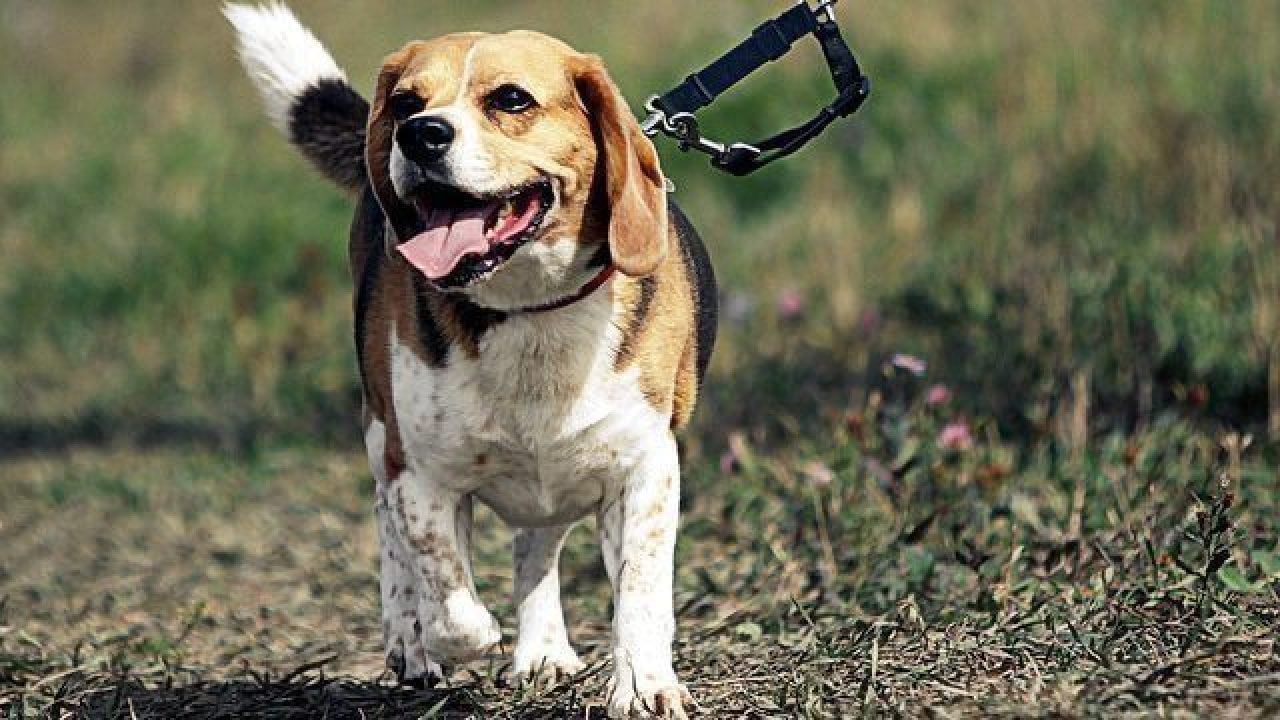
(683, 127)
(826, 6)
(657, 120)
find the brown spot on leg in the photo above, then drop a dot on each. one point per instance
(428, 543)
(393, 463)
(482, 459)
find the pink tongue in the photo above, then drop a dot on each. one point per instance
(450, 235)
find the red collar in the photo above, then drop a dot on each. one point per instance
(594, 284)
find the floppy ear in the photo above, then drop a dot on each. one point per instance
(633, 182)
(377, 147)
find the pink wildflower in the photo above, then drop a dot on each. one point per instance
(955, 436)
(732, 460)
(729, 463)
(870, 322)
(790, 304)
(910, 363)
(818, 473)
(937, 395)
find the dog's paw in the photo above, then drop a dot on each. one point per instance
(408, 660)
(647, 698)
(547, 663)
(463, 631)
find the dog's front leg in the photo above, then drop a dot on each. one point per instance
(542, 648)
(431, 525)
(397, 577)
(637, 525)
(401, 631)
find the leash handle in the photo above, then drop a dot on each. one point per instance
(673, 112)
(770, 41)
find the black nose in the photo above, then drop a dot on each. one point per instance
(425, 140)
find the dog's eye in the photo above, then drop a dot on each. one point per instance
(405, 104)
(511, 99)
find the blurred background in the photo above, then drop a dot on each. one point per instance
(1036, 193)
(1044, 256)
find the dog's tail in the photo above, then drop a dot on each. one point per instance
(306, 94)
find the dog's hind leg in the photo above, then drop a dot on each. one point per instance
(542, 648)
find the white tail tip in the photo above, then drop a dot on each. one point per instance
(281, 56)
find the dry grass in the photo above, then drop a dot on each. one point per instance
(179, 584)
(1070, 212)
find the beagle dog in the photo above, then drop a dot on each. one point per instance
(532, 321)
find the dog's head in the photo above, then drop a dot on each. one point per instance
(508, 164)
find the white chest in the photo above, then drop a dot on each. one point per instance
(537, 426)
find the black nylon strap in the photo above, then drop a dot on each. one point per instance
(768, 42)
(852, 85)
(844, 66)
(771, 40)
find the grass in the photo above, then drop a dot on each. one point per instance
(881, 572)
(1069, 215)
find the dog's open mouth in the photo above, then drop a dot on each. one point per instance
(463, 237)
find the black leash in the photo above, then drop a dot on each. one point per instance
(673, 112)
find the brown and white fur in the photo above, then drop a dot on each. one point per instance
(473, 388)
